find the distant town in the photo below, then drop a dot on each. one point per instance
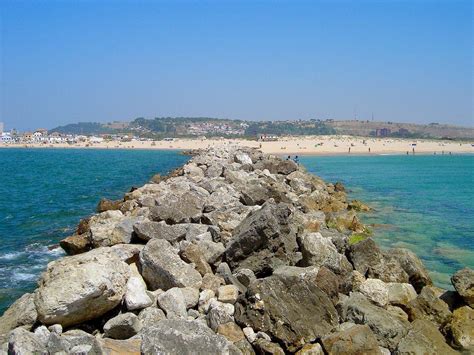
(169, 128)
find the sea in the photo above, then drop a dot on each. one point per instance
(423, 203)
(45, 192)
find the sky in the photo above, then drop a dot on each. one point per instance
(80, 61)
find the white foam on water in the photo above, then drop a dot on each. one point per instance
(23, 276)
(11, 255)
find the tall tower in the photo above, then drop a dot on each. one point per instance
(1, 128)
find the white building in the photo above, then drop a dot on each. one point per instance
(6, 138)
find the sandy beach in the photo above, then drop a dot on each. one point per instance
(307, 145)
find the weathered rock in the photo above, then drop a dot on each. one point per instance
(242, 158)
(245, 276)
(376, 291)
(110, 228)
(388, 329)
(430, 307)
(417, 273)
(150, 316)
(369, 260)
(329, 283)
(73, 342)
(173, 303)
(266, 347)
(400, 294)
(223, 270)
(136, 296)
(183, 337)
(123, 326)
(264, 240)
(115, 347)
(178, 209)
(95, 281)
(463, 282)
(193, 254)
(212, 282)
(21, 341)
(76, 244)
(358, 339)
(205, 298)
(219, 313)
(308, 312)
(42, 333)
(127, 252)
(227, 294)
(211, 251)
(231, 332)
(311, 349)
(108, 205)
(462, 329)
(162, 268)
(423, 338)
(191, 296)
(359, 206)
(320, 251)
(22, 313)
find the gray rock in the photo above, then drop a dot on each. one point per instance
(23, 342)
(110, 228)
(162, 268)
(183, 337)
(219, 313)
(74, 342)
(242, 158)
(224, 270)
(227, 294)
(430, 307)
(205, 298)
(178, 209)
(369, 260)
(264, 240)
(193, 254)
(95, 281)
(127, 252)
(307, 313)
(463, 282)
(400, 294)
(173, 303)
(22, 313)
(136, 296)
(376, 291)
(388, 329)
(191, 296)
(42, 333)
(417, 273)
(357, 339)
(319, 251)
(212, 282)
(150, 316)
(461, 329)
(423, 338)
(245, 276)
(123, 326)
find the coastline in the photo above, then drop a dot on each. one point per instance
(305, 145)
(238, 196)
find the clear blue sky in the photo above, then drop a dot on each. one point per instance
(70, 61)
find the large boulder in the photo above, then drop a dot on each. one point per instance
(369, 260)
(162, 267)
(416, 271)
(21, 341)
(388, 328)
(320, 251)
(110, 228)
(463, 282)
(184, 337)
(22, 313)
(264, 240)
(356, 339)
(294, 313)
(174, 209)
(461, 328)
(136, 296)
(94, 281)
(76, 244)
(427, 305)
(423, 338)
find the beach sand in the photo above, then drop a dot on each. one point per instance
(307, 145)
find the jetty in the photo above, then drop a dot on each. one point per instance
(237, 252)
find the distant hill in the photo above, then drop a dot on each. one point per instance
(88, 128)
(161, 127)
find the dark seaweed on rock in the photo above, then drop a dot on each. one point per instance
(236, 252)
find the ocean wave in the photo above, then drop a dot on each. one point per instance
(12, 255)
(24, 276)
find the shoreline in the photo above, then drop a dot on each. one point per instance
(305, 145)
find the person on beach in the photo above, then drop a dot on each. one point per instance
(369, 149)
(289, 158)
(296, 160)
(349, 149)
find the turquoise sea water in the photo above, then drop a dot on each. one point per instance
(423, 203)
(44, 193)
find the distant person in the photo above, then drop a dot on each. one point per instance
(296, 160)
(413, 150)
(369, 149)
(349, 149)
(289, 158)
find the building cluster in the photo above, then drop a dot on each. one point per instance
(203, 128)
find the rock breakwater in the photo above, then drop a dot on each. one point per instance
(236, 252)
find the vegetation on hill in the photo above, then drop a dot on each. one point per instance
(85, 128)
